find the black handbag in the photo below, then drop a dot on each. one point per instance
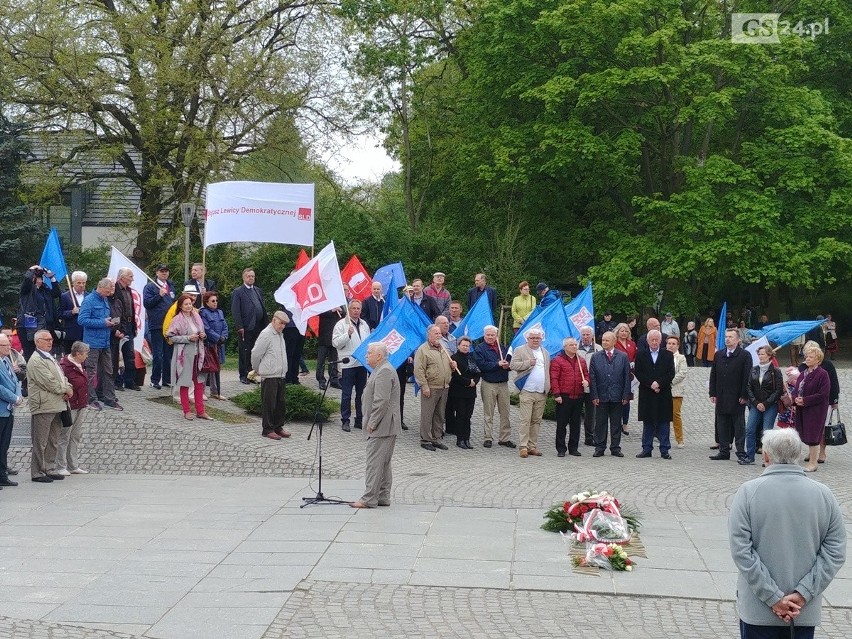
(65, 416)
(835, 432)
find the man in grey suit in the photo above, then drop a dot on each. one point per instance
(382, 423)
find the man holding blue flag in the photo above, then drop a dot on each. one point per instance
(532, 365)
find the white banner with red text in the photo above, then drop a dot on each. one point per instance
(259, 212)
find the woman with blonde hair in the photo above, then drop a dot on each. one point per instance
(707, 342)
(522, 305)
(811, 400)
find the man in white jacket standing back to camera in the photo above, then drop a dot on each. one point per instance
(269, 360)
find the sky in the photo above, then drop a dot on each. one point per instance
(362, 159)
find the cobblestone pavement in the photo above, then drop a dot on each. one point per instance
(150, 438)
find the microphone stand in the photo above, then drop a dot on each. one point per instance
(318, 422)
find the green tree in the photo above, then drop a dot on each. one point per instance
(171, 91)
(22, 236)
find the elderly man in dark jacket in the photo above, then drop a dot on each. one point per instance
(655, 370)
(609, 379)
(729, 377)
(157, 297)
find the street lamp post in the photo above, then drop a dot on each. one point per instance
(187, 211)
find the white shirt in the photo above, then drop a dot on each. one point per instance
(535, 380)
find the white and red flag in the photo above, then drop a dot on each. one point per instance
(359, 280)
(117, 261)
(312, 289)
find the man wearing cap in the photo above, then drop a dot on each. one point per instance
(441, 295)
(547, 295)
(606, 325)
(157, 297)
(669, 327)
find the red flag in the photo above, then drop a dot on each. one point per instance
(355, 275)
(313, 323)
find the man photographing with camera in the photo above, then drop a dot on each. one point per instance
(37, 309)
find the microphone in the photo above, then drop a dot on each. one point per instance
(345, 360)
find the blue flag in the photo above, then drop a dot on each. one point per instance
(391, 299)
(553, 320)
(723, 324)
(581, 312)
(783, 333)
(473, 324)
(402, 331)
(52, 258)
(391, 277)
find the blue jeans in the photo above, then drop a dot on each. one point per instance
(161, 352)
(748, 631)
(755, 419)
(661, 430)
(354, 377)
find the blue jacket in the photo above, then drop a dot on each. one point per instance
(94, 311)
(215, 328)
(551, 296)
(486, 360)
(10, 390)
(157, 305)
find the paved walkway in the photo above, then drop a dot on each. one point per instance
(192, 529)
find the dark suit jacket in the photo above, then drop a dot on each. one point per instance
(371, 311)
(245, 311)
(381, 402)
(729, 380)
(73, 331)
(474, 294)
(429, 306)
(609, 381)
(655, 407)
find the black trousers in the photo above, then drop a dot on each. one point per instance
(588, 417)
(568, 414)
(608, 413)
(327, 353)
(294, 342)
(272, 404)
(730, 427)
(246, 343)
(6, 424)
(458, 414)
(402, 374)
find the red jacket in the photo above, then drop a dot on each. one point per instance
(79, 383)
(566, 376)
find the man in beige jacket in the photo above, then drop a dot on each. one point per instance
(532, 365)
(48, 392)
(382, 424)
(269, 360)
(433, 369)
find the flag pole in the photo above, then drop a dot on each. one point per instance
(70, 289)
(500, 332)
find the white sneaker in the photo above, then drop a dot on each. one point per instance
(79, 471)
(62, 472)
(680, 445)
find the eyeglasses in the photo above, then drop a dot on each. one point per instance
(44, 339)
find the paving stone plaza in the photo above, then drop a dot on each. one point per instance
(190, 530)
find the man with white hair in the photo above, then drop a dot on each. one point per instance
(382, 423)
(69, 308)
(655, 370)
(788, 541)
(531, 362)
(588, 347)
(447, 338)
(433, 370)
(493, 361)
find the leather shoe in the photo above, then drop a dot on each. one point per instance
(8, 482)
(323, 385)
(136, 388)
(534, 452)
(427, 446)
(575, 453)
(346, 428)
(523, 453)
(384, 503)
(244, 380)
(282, 433)
(43, 480)
(157, 386)
(358, 504)
(487, 443)
(439, 445)
(274, 436)
(719, 456)
(714, 447)
(560, 454)
(617, 454)
(665, 456)
(467, 445)
(13, 471)
(508, 443)
(460, 443)
(404, 427)
(56, 476)
(643, 455)
(334, 384)
(598, 453)
(205, 416)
